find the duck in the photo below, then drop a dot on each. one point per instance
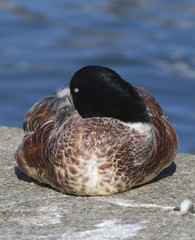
(99, 136)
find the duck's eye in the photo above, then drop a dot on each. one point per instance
(76, 90)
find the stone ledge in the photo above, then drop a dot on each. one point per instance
(29, 210)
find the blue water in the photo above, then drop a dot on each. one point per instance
(149, 43)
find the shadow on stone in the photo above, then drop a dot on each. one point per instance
(169, 171)
(23, 177)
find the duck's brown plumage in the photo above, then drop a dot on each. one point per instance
(93, 156)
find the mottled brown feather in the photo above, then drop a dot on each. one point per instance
(93, 156)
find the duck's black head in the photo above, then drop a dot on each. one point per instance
(101, 92)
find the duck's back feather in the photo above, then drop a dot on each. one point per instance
(54, 108)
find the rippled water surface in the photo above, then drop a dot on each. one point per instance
(149, 43)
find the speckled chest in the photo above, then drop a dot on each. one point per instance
(96, 155)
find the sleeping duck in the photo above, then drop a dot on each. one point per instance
(100, 136)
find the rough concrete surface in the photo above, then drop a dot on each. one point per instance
(29, 210)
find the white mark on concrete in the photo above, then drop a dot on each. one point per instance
(108, 229)
(185, 205)
(43, 216)
(132, 204)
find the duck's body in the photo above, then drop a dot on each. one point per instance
(90, 153)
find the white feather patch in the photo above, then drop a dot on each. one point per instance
(142, 128)
(63, 92)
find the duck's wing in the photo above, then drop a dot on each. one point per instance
(48, 109)
(152, 105)
(166, 141)
(42, 120)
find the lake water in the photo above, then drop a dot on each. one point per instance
(149, 43)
